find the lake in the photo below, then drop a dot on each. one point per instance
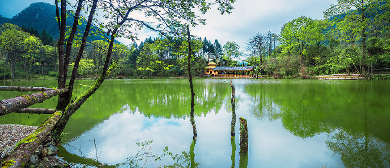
(291, 123)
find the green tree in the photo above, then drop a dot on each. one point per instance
(354, 26)
(46, 38)
(295, 35)
(257, 47)
(32, 46)
(11, 38)
(231, 50)
(197, 61)
(218, 50)
(147, 59)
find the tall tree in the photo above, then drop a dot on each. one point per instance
(257, 46)
(218, 50)
(354, 25)
(11, 38)
(231, 50)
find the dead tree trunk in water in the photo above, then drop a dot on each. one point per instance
(191, 86)
(233, 101)
(243, 135)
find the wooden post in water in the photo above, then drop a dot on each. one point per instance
(233, 101)
(243, 136)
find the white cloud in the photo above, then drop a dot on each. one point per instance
(250, 17)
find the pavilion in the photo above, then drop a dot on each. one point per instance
(228, 72)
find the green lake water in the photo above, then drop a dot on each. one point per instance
(291, 123)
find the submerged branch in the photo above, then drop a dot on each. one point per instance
(36, 111)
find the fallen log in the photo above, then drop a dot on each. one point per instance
(36, 111)
(23, 89)
(26, 147)
(15, 104)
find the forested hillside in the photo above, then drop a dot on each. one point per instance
(42, 17)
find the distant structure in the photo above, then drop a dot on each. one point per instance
(228, 72)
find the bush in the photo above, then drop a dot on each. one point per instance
(53, 73)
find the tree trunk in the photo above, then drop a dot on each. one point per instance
(81, 50)
(26, 147)
(24, 67)
(61, 66)
(191, 86)
(12, 70)
(71, 108)
(17, 103)
(364, 37)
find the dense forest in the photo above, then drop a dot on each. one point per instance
(354, 38)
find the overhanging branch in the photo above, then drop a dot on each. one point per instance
(14, 104)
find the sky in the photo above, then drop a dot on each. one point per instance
(247, 19)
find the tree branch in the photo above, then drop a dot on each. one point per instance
(15, 104)
(71, 36)
(36, 111)
(23, 89)
(81, 50)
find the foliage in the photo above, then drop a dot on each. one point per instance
(353, 39)
(25, 54)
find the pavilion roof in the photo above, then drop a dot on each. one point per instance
(246, 68)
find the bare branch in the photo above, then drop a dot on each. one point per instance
(81, 50)
(36, 111)
(14, 104)
(71, 36)
(23, 89)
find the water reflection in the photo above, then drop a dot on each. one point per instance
(153, 98)
(291, 123)
(359, 149)
(117, 137)
(351, 114)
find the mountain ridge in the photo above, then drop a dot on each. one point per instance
(42, 16)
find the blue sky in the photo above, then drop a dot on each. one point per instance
(247, 19)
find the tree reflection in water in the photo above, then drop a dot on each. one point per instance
(359, 149)
(353, 115)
